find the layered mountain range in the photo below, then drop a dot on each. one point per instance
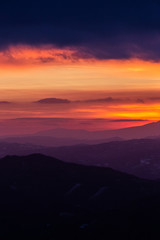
(45, 198)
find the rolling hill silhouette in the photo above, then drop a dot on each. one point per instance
(44, 198)
(140, 157)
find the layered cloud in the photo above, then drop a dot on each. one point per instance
(74, 59)
(115, 111)
(36, 55)
(107, 100)
(103, 29)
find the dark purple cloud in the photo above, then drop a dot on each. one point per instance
(114, 100)
(127, 120)
(4, 102)
(139, 100)
(107, 100)
(102, 29)
(154, 98)
(53, 101)
(90, 101)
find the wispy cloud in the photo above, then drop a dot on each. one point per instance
(106, 100)
(5, 102)
(127, 120)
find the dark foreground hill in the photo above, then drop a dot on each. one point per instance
(44, 198)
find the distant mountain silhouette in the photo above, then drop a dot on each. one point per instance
(44, 198)
(68, 137)
(49, 141)
(139, 157)
(147, 130)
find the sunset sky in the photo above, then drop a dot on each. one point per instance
(81, 61)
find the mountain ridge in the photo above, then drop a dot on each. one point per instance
(147, 130)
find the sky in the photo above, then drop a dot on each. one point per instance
(81, 64)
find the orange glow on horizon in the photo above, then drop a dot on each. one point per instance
(25, 67)
(28, 74)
